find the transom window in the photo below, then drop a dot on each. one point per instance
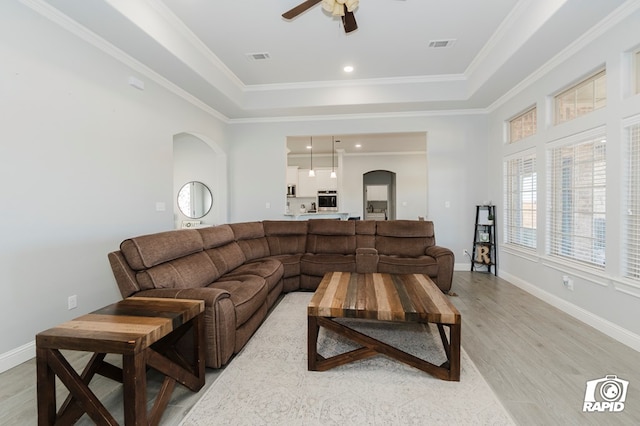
(586, 96)
(577, 201)
(520, 201)
(523, 125)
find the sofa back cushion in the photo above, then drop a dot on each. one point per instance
(221, 246)
(326, 236)
(194, 270)
(286, 236)
(365, 233)
(408, 238)
(149, 250)
(251, 239)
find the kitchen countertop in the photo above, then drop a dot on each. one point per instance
(328, 215)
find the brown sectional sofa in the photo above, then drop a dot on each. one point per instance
(241, 269)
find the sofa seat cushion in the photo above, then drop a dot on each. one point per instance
(290, 263)
(269, 269)
(408, 265)
(319, 264)
(248, 294)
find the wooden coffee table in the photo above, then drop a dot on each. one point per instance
(144, 331)
(382, 297)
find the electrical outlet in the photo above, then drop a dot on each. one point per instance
(72, 302)
(567, 282)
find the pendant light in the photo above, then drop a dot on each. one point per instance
(312, 172)
(333, 156)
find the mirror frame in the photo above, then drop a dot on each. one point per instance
(206, 208)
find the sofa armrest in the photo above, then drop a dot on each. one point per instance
(219, 319)
(445, 259)
(366, 260)
(209, 295)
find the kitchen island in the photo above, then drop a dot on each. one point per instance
(317, 215)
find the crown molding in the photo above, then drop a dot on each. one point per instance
(359, 116)
(62, 20)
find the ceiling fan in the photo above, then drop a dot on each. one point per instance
(342, 8)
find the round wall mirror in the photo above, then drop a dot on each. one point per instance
(195, 200)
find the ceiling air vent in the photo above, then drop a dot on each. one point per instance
(439, 44)
(258, 56)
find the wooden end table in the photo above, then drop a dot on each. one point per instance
(144, 331)
(382, 297)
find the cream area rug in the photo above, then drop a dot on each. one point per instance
(267, 383)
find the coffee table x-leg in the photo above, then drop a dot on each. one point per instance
(449, 370)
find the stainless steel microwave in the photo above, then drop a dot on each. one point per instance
(327, 200)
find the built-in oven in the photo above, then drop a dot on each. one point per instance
(327, 201)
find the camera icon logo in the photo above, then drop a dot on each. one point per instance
(606, 394)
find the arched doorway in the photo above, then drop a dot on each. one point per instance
(198, 159)
(379, 195)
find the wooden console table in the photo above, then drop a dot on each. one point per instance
(382, 297)
(144, 331)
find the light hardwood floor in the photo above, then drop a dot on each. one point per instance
(536, 358)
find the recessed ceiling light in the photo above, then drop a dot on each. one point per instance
(348, 68)
(358, 145)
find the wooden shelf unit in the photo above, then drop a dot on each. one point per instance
(485, 255)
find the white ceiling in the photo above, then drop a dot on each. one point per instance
(201, 47)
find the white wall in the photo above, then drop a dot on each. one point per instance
(84, 158)
(456, 170)
(602, 299)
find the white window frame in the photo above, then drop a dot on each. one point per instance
(631, 200)
(523, 125)
(520, 200)
(637, 71)
(581, 98)
(576, 199)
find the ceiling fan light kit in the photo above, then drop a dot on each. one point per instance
(337, 7)
(341, 8)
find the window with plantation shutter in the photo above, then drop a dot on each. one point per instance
(631, 258)
(577, 201)
(520, 201)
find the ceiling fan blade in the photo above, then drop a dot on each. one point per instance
(302, 7)
(349, 21)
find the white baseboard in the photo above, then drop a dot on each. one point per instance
(17, 356)
(612, 330)
(462, 266)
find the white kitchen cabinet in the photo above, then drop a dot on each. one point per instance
(324, 180)
(377, 193)
(307, 186)
(292, 175)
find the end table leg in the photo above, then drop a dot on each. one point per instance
(312, 342)
(199, 348)
(46, 389)
(134, 381)
(454, 347)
